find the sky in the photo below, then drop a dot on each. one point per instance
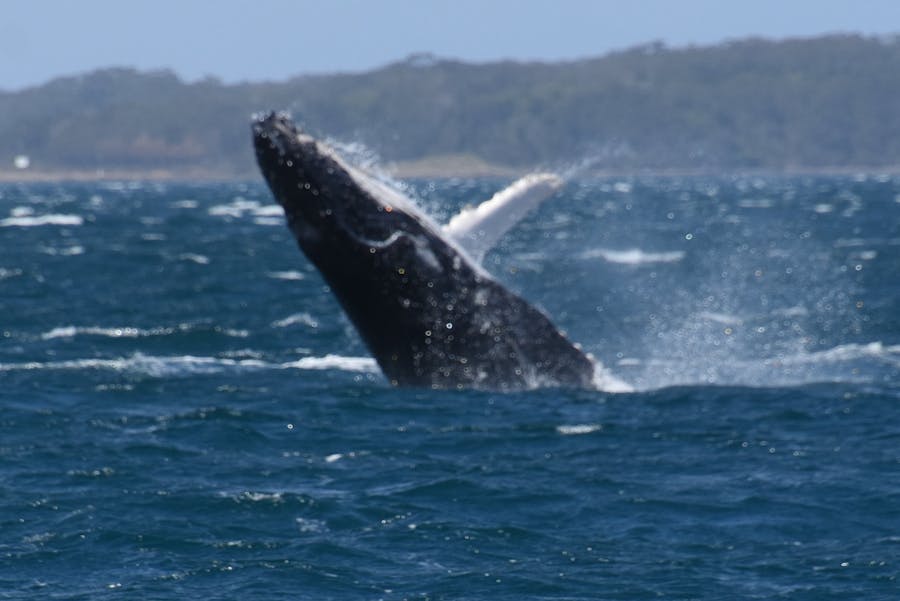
(256, 40)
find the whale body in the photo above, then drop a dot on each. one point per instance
(429, 314)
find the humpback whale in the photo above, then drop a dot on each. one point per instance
(427, 311)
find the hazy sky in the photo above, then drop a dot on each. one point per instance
(273, 39)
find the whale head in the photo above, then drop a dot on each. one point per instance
(330, 204)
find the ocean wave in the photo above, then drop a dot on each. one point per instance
(38, 220)
(575, 429)
(238, 207)
(133, 332)
(357, 364)
(195, 258)
(301, 318)
(286, 275)
(124, 332)
(279, 221)
(633, 256)
(139, 363)
(174, 365)
(275, 498)
(65, 251)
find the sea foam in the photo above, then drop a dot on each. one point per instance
(633, 256)
(357, 364)
(38, 220)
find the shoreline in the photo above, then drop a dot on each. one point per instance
(422, 169)
(40, 176)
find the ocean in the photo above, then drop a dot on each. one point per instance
(187, 414)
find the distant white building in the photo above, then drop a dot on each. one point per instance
(22, 161)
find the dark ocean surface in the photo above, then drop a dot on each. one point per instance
(186, 414)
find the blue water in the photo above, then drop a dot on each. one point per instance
(188, 415)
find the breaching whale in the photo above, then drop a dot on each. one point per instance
(429, 313)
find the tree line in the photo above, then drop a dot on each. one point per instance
(822, 102)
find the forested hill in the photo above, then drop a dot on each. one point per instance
(814, 103)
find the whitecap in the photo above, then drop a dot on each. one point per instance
(310, 526)
(123, 332)
(301, 318)
(269, 211)
(633, 256)
(286, 275)
(357, 364)
(235, 208)
(275, 498)
(575, 429)
(198, 259)
(153, 366)
(66, 251)
(239, 206)
(9, 273)
(34, 221)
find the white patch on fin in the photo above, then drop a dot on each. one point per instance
(478, 229)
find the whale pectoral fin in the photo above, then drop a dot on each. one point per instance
(478, 229)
